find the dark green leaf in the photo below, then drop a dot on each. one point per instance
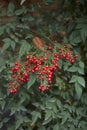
(1, 124)
(72, 69)
(47, 121)
(78, 90)
(41, 128)
(2, 28)
(65, 117)
(35, 116)
(7, 43)
(77, 39)
(80, 71)
(18, 122)
(20, 11)
(13, 44)
(81, 81)
(81, 64)
(48, 114)
(56, 127)
(73, 79)
(59, 104)
(83, 33)
(31, 81)
(11, 8)
(24, 47)
(2, 104)
(5, 120)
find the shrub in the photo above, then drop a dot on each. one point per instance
(43, 62)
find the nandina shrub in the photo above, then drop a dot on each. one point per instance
(43, 65)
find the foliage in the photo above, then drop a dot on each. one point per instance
(55, 24)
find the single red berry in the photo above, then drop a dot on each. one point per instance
(49, 48)
(36, 68)
(17, 64)
(49, 76)
(76, 56)
(55, 55)
(42, 78)
(32, 70)
(13, 91)
(72, 61)
(27, 57)
(45, 58)
(59, 50)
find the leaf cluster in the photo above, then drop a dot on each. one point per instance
(55, 109)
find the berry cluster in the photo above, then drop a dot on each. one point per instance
(65, 53)
(43, 65)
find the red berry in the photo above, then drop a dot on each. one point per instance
(49, 47)
(42, 78)
(76, 56)
(13, 91)
(55, 55)
(72, 60)
(45, 58)
(27, 57)
(16, 64)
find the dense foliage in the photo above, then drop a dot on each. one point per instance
(43, 65)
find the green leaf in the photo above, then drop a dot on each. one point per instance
(84, 33)
(20, 11)
(66, 66)
(81, 64)
(55, 110)
(5, 120)
(24, 97)
(52, 100)
(65, 117)
(11, 8)
(6, 45)
(2, 28)
(59, 104)
(72, 69)
(11, 127)
(13, 110)
(81, 81)
(80, 71)
(31, 81)
(24, 47)
(41, 128)
(35, 116)
(47, 121)
(56, 127)
(65, 40)
(78, 90)
(13, 44)
(1, 124)
(2, 61)
(48, 114)
(26, 119)
(14, 38)
(77, 39)
(73, 79)
(2, 104)
(18, 122)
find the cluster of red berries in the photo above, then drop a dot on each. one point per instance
(46, 71)
(65, 53)
(44, 66)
